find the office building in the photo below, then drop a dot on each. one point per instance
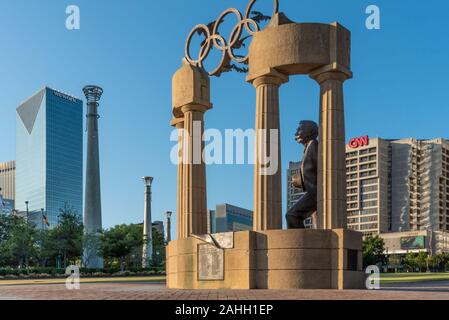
(226, 218)
(211, 222)
(49, 150)
(397, 185)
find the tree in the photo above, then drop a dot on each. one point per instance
(67, 237)
(410, 261)
(121, 243)
(6, 225)
(440, 261)
(18, 247)
(394, 260)
(158, 258)
(419, 261)
(373, 251)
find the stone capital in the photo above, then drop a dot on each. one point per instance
(178, 123)
(190, 86)
(195, 107)
(332, 71)
(267, 76)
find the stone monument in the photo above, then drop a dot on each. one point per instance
(147, 249)
(266, 257)
(92, 205)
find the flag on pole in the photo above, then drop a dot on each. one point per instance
(45, 220)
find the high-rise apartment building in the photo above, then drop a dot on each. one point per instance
(49, 150)
(397, 185)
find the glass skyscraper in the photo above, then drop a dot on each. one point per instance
(49, 160)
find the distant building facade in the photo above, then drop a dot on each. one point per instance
(397, 185)
(7, 181)
(226, 218)
(211, 222)
(401, 243)
(49, 148)
(159, 226)
(293, 193)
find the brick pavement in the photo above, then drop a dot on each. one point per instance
(157, 291)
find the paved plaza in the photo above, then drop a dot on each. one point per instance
(158, 291)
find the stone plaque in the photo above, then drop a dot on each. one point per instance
(210, 263)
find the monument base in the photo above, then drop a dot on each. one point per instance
(277, 259)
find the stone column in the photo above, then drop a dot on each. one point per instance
(182, 231)
(147, 250)
(191, 99)
(331, 157)
(194, 172)
(92, 201)
(267, 176)
(168, 215)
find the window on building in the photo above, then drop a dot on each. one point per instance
(368, 182)
(367, 204)
(369, 196)
(369, 189)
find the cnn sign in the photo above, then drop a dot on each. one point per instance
(355, 143)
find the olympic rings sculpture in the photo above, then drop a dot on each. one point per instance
(213, 39)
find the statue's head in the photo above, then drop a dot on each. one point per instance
(307, 131)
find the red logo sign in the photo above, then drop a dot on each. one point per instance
(355, 143)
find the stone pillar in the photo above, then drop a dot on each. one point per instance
(191, 99)
(147, 251)
(267, 176)
(92, 204)
(194, 171)
(178, 123)
(331, 157)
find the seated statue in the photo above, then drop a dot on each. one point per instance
(306, 134)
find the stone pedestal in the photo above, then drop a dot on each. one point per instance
(277, 259)
(269, 258)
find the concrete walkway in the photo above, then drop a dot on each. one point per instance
(157, 291)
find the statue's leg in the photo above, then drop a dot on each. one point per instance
(302, 210)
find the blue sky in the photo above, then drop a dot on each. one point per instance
(132, 48)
